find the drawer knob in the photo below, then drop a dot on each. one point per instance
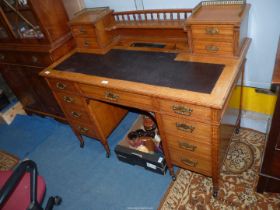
(83, 129)
(187, 146)
(2, 57)
(111, 96)
(34, 59)
(212, 48)
(188, 162)
(75, 114)
(178, 109)
(68, 99)
(60, 85)
(212, 31)
(86, 44)
(184, 127)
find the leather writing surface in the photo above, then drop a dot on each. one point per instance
(154, 68)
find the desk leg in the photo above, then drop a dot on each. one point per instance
(80, 138)
(165, 146)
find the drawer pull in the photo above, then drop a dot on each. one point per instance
(75, 114)
(187, 146)
(82, 30)
(86, 44)
(184, 127)
(60, 85)
(83, 129)
(178, 109)
(2, 57)
(212, 31)
(68, 99)
(189, 162)
(111, 96)
(212, 48)
(34, 59)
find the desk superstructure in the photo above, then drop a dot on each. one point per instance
(95, 90)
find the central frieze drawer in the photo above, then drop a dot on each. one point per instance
(117, 96)
(187, 128)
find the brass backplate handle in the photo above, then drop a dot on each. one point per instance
(184, 127)
(76, 114)
(212, 48)
(83, 129)
(60, 85)
(179, 109)
(86, 44)
(212, 31)
(111, 96)
(188, 162)
(34, 59)
(68, 99)
(187, 146)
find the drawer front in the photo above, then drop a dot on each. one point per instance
(77, 114)
(213, 32)
(69, 100)
(220, 48)
(186, 110)
(87, 43)
(83, 31)
(62, 85)
(8, 57)
(118, 97)
(189, 145)
(35, 59)
(187, 129)
(191, 162)
(84, 129)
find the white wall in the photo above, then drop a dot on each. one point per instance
(264, 29)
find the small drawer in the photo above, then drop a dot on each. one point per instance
(62, 85)
(87, 43)
(185, 110)
(189, 145)
(77, 114)
(117, 96)
(220, 48)
(191, 162)
(69, 100)
(212, 32)
(187, 128)
(83, 31)
(84, 129)
(35, 59)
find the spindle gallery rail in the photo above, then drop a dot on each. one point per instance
(161, 18)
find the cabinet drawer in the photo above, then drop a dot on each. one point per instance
(35, 59)
(62, 85)
(77, 114)
(189, 145)
(83, 31)
(87, 43)
(213, 32)
(221, 48)
(69, 100)
(191, 162)
(117, 96)
(8, 57)
(84, 129)
(185, 110)
(187, 128)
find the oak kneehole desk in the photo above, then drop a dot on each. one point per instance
(189, 96)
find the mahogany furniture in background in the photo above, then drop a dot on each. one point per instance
(32, 36)
(269, 177)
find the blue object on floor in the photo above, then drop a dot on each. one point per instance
(87, 180)
(25, 134)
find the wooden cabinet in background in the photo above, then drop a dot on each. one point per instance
(32, 36)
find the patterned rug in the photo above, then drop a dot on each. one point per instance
(7, 161)
(239, 177)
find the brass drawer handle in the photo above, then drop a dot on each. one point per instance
(82, 30)
(34, 59)
(111, 96)
(212, 48)
(178, 109)
(187, 146)
(60, 85)
(2, 57)
(86, 44)
(68, 99)
(184, 127)
(188, 162)
(76, 114)
(212, 31)
(83, 129)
